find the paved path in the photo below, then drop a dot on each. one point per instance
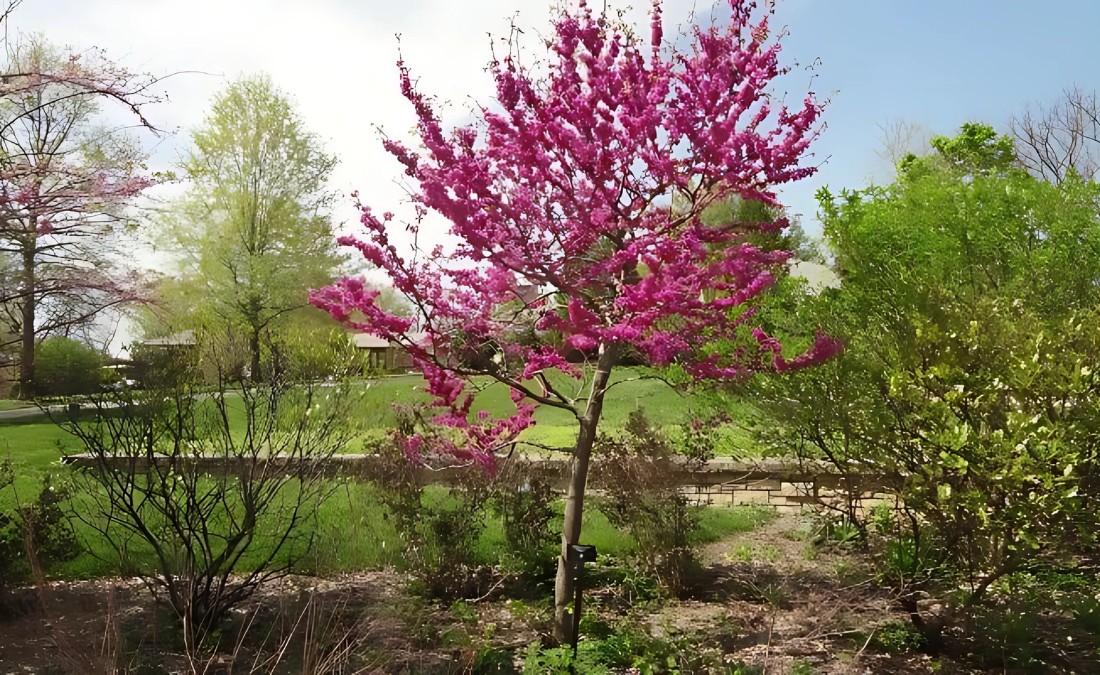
(54, 411)
(20, 414)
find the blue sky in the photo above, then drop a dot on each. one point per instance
(937, 63)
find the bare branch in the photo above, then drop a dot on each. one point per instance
(1063, 137)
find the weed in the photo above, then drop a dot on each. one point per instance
(802, 667)
(896, 638)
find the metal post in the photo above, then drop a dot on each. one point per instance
(578, 554)
(578, 574)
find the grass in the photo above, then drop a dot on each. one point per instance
(13, 404)
(665, 407)
(353, 532)
(35, 443)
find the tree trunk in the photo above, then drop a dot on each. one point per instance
(574, 499)
(254, 354)
(26, 355)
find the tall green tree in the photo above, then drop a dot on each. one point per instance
(253, 234)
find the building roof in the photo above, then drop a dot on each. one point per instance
(371, 341)
(368, 341)
(182, 339)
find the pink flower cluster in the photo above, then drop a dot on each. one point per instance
(566, 186)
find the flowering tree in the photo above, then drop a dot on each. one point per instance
(64, 181)
(566, 186)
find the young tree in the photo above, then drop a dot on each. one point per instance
(64, 181)
(566, 186)
(253, 233)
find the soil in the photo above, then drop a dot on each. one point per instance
(767, 598)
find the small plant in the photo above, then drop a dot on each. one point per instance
(630, 648)
(560, 661)
(464, 612)
(641, 498)
(743, 553)
(802, 667)
(896, 638)
(492, 661)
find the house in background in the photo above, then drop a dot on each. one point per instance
(182, 339)
(383, 355)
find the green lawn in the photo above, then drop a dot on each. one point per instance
(353, 532)
(36, 447)
(554, 427)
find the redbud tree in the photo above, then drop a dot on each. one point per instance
(66, 180)
(566, 184)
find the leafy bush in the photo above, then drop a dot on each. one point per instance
(525, 502)
(35, 534)
(440, 527)
(640, 497)
(65, 367)
(971, 317)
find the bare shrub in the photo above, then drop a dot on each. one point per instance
(208, 492)
(641, 496)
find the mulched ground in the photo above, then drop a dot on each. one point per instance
(768, 599)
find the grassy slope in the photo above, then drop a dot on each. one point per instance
(554, 427)
(353, 532)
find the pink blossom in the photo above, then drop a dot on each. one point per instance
(562, 186)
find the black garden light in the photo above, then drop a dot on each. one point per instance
(578, 555)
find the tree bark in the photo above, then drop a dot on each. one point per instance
(254, 354)
(574, 499)
(29, 300)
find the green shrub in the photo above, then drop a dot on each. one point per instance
(439, 527)
(35, 534)
(525, 503)
(65, 367)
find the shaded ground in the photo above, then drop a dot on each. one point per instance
(766, 599)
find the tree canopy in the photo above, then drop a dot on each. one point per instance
(253, 233)
(65, 180)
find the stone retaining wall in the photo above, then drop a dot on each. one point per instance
(784, 486)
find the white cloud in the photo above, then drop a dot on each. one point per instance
(335, 58)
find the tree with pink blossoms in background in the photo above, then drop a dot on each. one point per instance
(560, 205)
(65, 181)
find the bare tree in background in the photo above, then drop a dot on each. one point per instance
(1052, 140)
(900, 138)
